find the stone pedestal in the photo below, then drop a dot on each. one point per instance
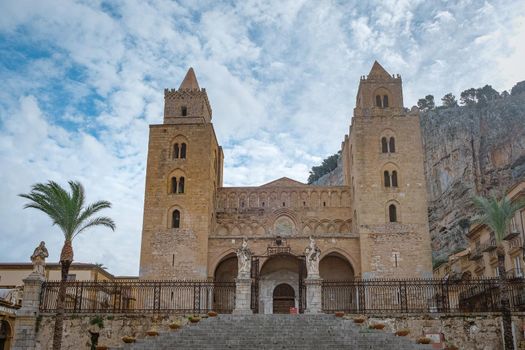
(243, 296)
(313, 295)
(26, 316)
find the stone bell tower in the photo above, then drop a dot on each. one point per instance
(385, 172)
(184, 170)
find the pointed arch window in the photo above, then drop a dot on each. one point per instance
(181, 185)
(385, 101)
(384, 145)
(378, 101)
(175, 219)
(392, 213)
(184, 111)
(392, 145)
(386, 178)
(173, 185)
(394, 178)
(176, 151)
(183, 151)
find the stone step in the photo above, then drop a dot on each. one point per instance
(271, 332)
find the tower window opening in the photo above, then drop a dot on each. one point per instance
(392, 145)
(175, 219)
(173, 260)
(183, 151)
(174, 185)
(176, 151)
(378, 101)
(304, 204)
(385, 101)
(384, 145)
(263, 204)
(394, 178)
(181, 185)
(184, 111)
(284, 204)
(242, 204)
(324, 204)
(386, 178)
(392, 213)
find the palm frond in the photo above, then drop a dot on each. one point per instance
(496, 214)
(98, 221)
(66, 209)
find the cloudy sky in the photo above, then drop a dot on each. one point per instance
(82, 80)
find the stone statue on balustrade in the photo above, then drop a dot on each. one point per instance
(244, 260)
(39, 258)
(312, 253)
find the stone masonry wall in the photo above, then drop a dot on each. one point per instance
(76, 335)
(468, 332)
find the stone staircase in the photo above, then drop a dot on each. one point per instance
(271, 332)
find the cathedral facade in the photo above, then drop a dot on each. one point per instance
(374, 225)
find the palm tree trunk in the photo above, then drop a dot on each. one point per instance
(66, 258)
(506, 315)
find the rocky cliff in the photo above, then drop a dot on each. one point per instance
(468, 151)
(477, 150)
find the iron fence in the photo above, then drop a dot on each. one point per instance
(141, 297)
(420, 296)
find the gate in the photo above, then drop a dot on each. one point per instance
(255, 285)
(302, 287)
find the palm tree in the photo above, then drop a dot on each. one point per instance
(69, 212)
(497, 215)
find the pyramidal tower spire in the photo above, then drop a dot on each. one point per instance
(190, 81)
(188, 104)
(378, 71)
(378, 92)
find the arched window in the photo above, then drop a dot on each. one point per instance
(184, 111)
(378, 101)
(392, 145)
(384, 145)
(392, 213)
(174, 185)
(176, 151)
(386, 178)
(181, 185)
(175, 219)
(385, 101)
(183, 150)
(394, 178)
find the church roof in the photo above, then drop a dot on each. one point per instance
(283, 182)
(378, 71)
(190, 81)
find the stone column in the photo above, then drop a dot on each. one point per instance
(26, 316)
(313, 295)
(243, 296)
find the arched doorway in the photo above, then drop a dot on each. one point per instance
(335, 267)
(339, 292)
(224, 287)
(278, 270)
(5, 335)
(283, 299)
(226, 270)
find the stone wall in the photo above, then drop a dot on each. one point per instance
(76, 335)
(467, 331)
